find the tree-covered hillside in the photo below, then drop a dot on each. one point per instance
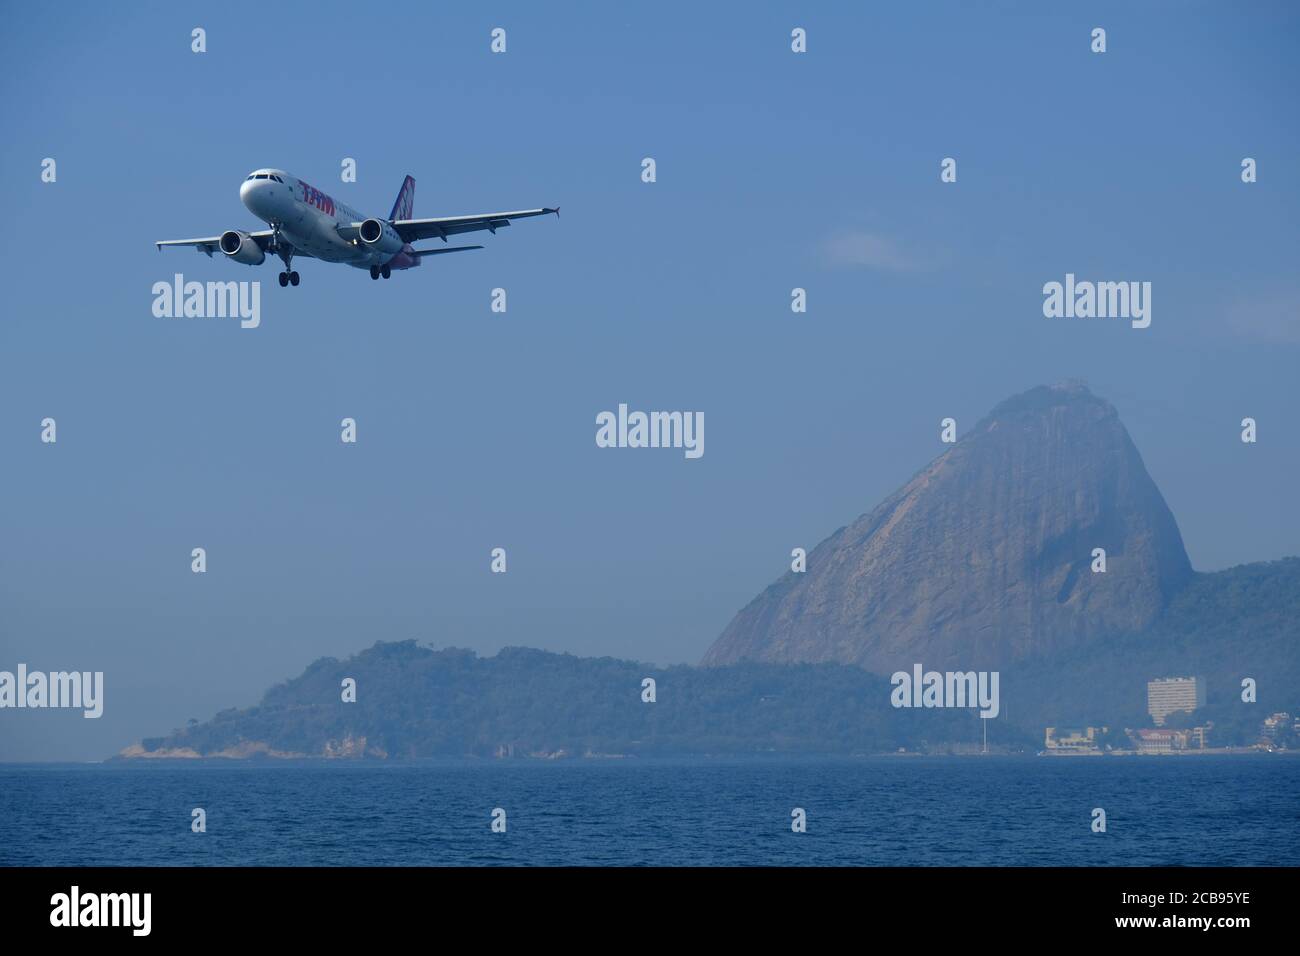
(416, 702)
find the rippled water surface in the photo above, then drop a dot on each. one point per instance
(868, 812)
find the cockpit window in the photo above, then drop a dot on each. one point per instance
(250, 176)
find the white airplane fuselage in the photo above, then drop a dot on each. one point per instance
(310, 220)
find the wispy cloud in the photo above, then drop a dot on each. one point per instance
(1274, 319)
(865, 250)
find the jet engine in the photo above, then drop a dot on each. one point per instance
(241, 247)
(380, 237)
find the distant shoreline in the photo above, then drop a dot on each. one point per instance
(1218, 751)
(119, 760)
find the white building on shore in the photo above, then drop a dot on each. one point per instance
(1167, 695)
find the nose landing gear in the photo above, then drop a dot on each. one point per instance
(377, 271)
(285, 251)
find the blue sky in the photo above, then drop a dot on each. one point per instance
(775, 170)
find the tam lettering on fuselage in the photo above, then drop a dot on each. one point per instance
(314, 197)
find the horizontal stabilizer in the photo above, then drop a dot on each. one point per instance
(438, 252)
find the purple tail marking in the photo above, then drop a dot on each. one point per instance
(404, 205)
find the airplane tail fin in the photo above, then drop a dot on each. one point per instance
(404, 205)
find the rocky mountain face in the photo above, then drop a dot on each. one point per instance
(985, 557)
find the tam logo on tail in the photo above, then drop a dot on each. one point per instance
(404, 206)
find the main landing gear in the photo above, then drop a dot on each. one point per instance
(285, 252)
(377, 271)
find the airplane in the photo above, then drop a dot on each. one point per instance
(307, 223)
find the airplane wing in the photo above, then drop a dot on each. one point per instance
(211, 244)
(414, 230)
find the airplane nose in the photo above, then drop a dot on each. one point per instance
(254, 194)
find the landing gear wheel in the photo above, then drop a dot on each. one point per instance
(385, 272)
(374, 272)
(285, 251)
